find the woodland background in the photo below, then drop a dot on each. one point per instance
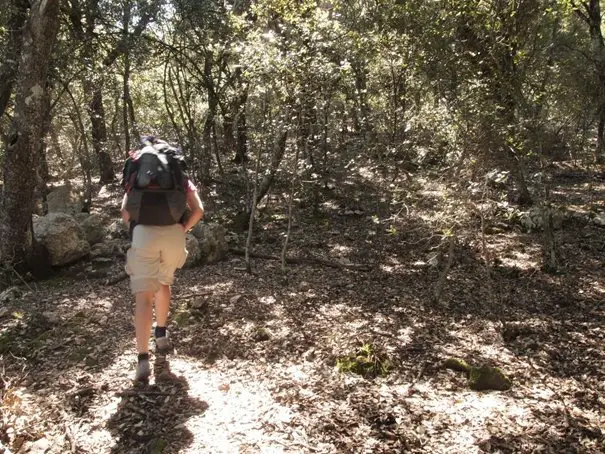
(428, 174)
(462, 87)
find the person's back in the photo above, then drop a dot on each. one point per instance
(157, 194)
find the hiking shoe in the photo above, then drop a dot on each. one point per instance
(143, 370)
(163, 345)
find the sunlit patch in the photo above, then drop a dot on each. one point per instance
(520, 260)
(598, 287)
(339, 249)
(388, 268)
(269, 299)
(366, 172)
(330, 205)
(241, 409)
(219, 286)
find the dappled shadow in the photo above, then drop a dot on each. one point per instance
(152, 418)
(315, 313)
(559, 432)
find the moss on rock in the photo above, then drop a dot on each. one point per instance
(488, 378)
(459, 365)
(480, 378)
(366, 361)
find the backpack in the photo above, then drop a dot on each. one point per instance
(155, 181)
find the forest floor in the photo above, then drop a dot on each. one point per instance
(254, 369)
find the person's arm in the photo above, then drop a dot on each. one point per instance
(123, 212)
(197, 210)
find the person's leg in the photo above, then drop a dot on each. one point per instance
(142, 264)
(143, 319)
(173, 256)
(162, 305)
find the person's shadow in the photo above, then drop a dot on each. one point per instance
(151, 418)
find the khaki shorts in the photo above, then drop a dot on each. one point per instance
(155, 254)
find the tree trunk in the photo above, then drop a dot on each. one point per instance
(99, 137)
(10, 63)
(599, 153)
(26, 132)
(591, 14)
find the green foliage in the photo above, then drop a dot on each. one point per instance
(366, 361)
(426, 82)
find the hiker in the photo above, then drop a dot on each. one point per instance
(161, 204)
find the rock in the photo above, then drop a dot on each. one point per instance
(212, 243)
(118, 229)
(80, 217)
(63, 238)
(199, 303)
(261, 334)
(193, 251)
(40, 446)
(64, 199)
(10, 294)
(498, 179)
(110, 248)
(309, 355)
(235, 299)
(488, 378)
(51, 317)
(94, 228)
(599, 220)
(533, 219)
(198, 231)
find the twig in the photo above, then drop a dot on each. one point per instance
(328, 263)
(21, 279)
(119, 278)
(141, 393)
(442, 278)
(193, 295)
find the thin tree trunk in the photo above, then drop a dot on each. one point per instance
(209, 122)
(242, 135)
(43, 172)
(126, 96)
(84, 159)
(364, 126)
(290, 210)
(217, 151)
(440, 284)
(252, 212)
(26, 132)
(279, 148)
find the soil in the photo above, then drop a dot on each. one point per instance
(254, 367)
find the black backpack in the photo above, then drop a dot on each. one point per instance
(155, 180)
